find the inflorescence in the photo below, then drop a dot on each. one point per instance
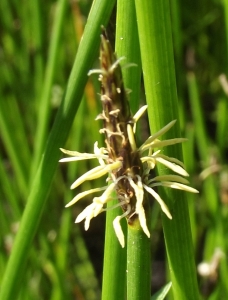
(126, 165)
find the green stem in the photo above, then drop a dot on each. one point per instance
(44, 103)
(160, 86)
(100, 12)
(127, 45)
(114, 270)
(138, 245)
(138, 264)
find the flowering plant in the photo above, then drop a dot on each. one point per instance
(127, 166)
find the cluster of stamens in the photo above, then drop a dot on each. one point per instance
(127, 169)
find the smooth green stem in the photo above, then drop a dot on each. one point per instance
(138, 264)
(155, 38)
(44, 103)
(138, 244)
(100, 12)
(114, 270)
(127, 45)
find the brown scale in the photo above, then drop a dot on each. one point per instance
(113, 97)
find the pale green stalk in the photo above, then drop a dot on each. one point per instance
(159, 77)
(114, 274)
(138, 244)
(138, 264)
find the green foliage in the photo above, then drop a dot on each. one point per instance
(44, 255)
(162, 293)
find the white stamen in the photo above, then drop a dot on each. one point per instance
(157, 134)
(159, 144)
(96, 173)
(95, 71)
(109, 132)
(159, 199)
(116, 63)
(106, 195)
(139, 207)
(117, 227)
(88, 213)
(139, 194)
(171, 159)
(169, 178)
(171, 166)
(105, 98)
(151, 162)
(131, 137)
(102, 116)
(114, 112)
(80, 156)
(83, 194)
(175, 185)
(138, 115)
(98, 152)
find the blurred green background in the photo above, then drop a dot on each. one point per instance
(37, 51)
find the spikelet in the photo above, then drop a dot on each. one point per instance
(118, 124)
(127, 165)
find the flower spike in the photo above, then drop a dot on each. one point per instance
(126, 165)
